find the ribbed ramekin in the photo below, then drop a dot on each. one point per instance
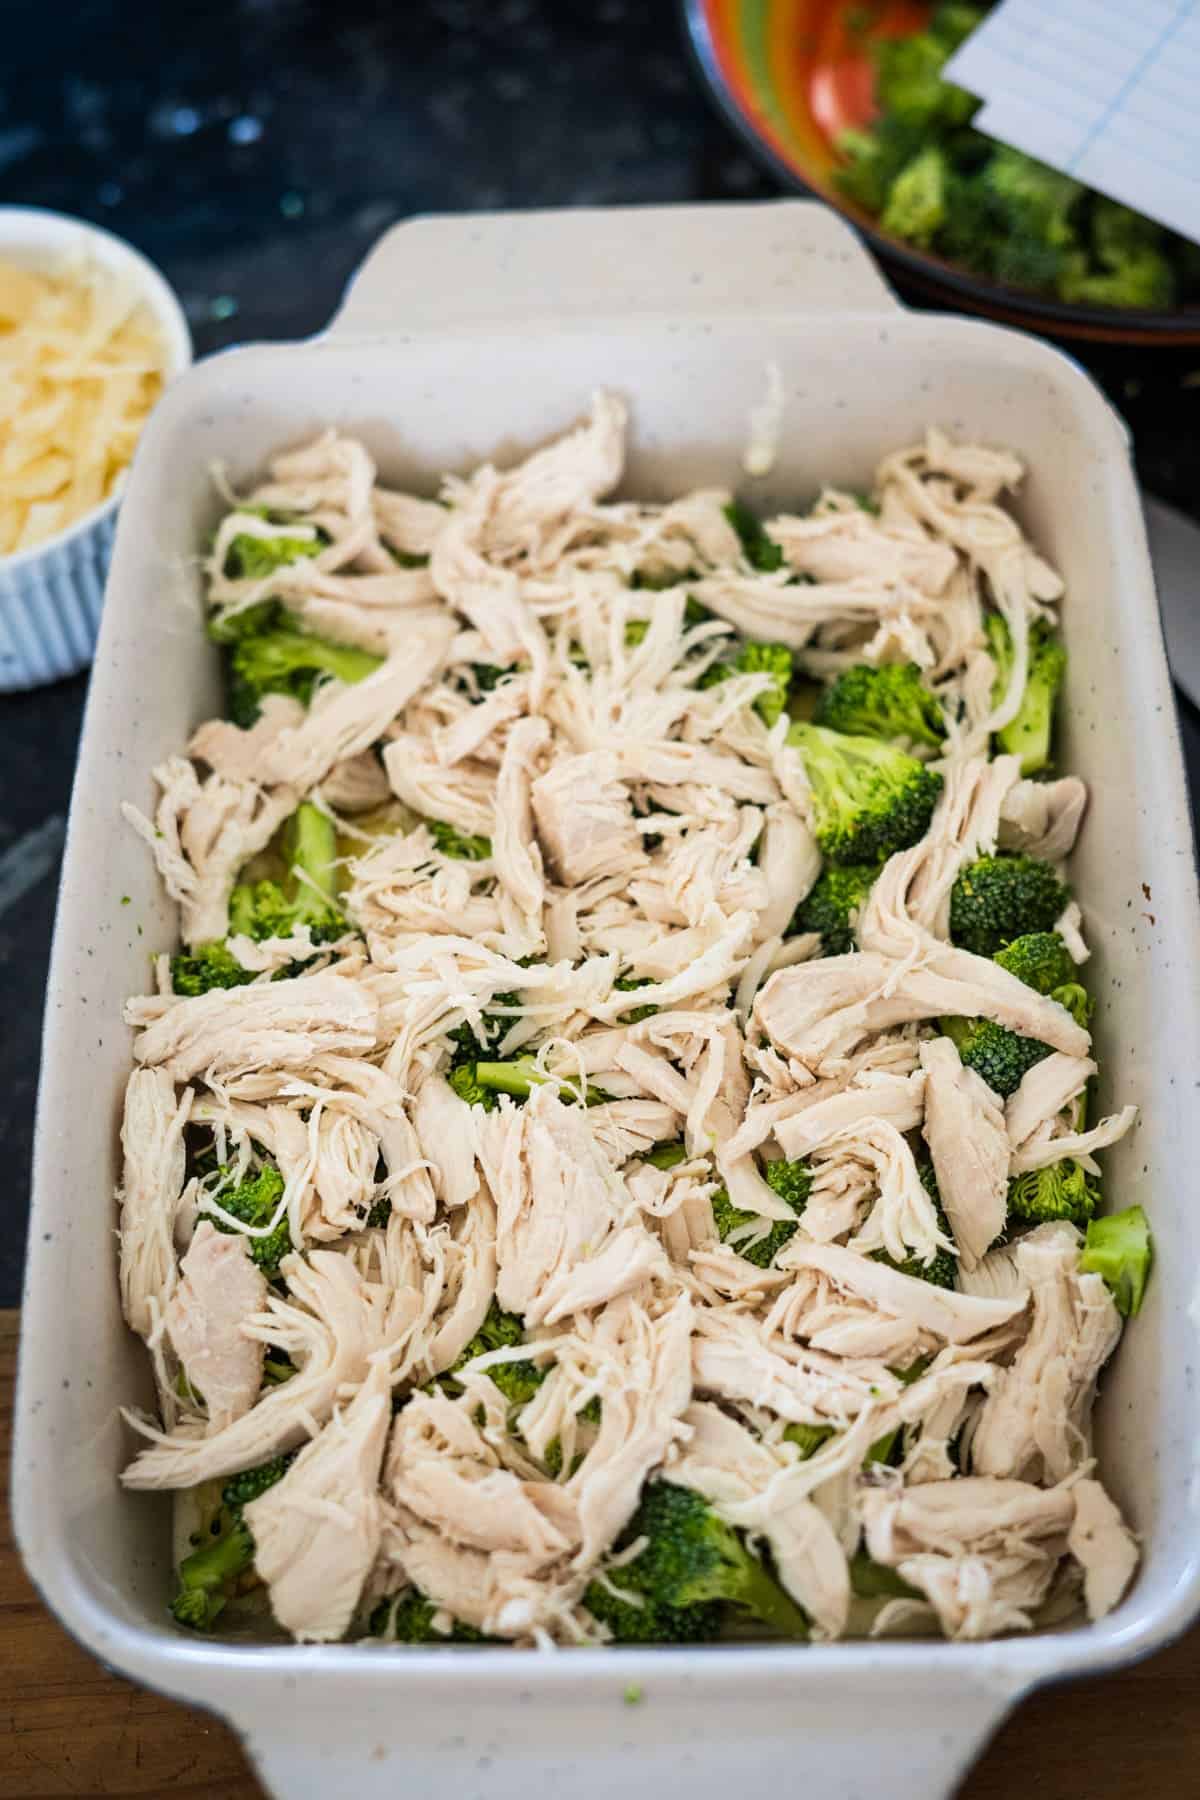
(51, 594)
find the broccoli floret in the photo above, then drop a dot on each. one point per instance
(240, 1489)
(692, 1563)
(666, 1156)
(869, 798)
(792, 1182)
(272, 655)
(629, 984)
(500, 1330)
(999, 898)
(755, 658)
(250, 557)
(479, 1083)
(808, 1438)
(1002, 1057)
(760, 551)
(1119, 1247)
(487, 675)
(407, 1618)
(1062, 1191)
(1037, 201)
(1028, 735)
(265, 909)
(833, 905)
(1134, 269)
(916, 203)
(205, 967)
(452, 842)
(886, 702)
(1040, 959)
(212, 1575)
(908, 80)
(254, 1201)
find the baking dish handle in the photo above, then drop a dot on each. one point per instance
(836, 1738)
(517, 271)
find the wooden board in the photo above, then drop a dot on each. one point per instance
(69, 1728)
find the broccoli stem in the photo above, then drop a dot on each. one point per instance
(768, 1601)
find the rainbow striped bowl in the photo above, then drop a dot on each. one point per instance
(789, 75)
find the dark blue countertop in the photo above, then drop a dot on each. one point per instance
(255, 149)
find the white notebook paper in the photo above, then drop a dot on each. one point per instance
(1107, 92)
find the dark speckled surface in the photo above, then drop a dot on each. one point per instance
(255, 149)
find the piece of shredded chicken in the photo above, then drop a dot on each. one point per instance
(565, 1161)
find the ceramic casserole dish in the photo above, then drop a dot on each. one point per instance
(467, 338)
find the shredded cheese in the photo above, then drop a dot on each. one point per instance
(81, 364)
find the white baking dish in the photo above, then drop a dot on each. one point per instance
(459, 339)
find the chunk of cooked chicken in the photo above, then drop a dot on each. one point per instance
(561, 1246)
(585, 818)
(316, 1531)
(219, 1288)
(1036, 1422)
(442, 1469)
(1103, 1546)
(968, 1142)
(820, 1010)
(330, 1325)
(955, 1318)
(155, 1159)
(282, 1024)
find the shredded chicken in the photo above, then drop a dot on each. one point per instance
(529, 1151)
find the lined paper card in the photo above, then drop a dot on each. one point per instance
(1107, 92)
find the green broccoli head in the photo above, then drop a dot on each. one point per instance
(481, 1083)
(833, 905)
(500, 1330)
(667, 1156)
(1119, 1247)
(869, 799)
(1000, 1056)
(210, 1576)
(271, 654)
(754, 658)
(252, 558)
(1003, 1058)
(792, 1181)
(452, 842)
(1038, 958)
(265, 909)
(1133, 270)
(407, 1618)
(916, 202)
(692, 1562)
(760, 551)
(999, 898)
(1063, 1191)
(1029, 734)
(908, 81)
(775, 660)
(1036, 201)
(807, 1438)
(886, 702)
(207, 966)
(240, 1489)
(255, 1200)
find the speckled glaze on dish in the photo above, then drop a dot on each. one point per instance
(788, 74)
(470, 337)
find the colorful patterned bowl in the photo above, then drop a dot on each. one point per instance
(789, 75)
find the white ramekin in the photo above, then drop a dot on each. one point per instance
(51, 594)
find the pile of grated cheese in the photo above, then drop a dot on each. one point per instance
(81, 365)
